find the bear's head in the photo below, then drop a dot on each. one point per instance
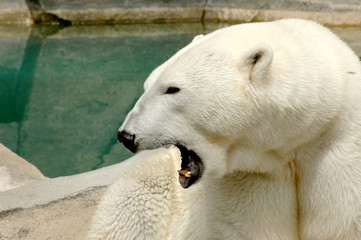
(226, 105)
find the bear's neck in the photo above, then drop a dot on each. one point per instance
(253, 205)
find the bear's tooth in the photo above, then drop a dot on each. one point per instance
(183, 172)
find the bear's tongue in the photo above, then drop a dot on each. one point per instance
(191, 167)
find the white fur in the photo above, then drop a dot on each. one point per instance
(273, 110)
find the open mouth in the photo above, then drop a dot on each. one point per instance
(191, 167)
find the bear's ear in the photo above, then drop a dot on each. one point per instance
(257, 61)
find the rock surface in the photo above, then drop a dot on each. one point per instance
(67, 218)
(58, 208)
(15, 171)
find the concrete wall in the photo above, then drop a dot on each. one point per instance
(330, 12)
(14, 12)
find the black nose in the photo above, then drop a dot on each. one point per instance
(128, 140)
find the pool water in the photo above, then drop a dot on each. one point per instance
(64, 92)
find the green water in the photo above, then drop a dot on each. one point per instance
(65, 92)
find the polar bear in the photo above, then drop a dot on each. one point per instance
(262, 122)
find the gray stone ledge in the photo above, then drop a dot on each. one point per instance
(350, 17)
(19, 15)
(236, 15)
(106, 4)
(330, 12)
(290, 5)
(130, 15)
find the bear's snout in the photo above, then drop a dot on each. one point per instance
(128, 140)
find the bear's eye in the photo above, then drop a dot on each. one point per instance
(172, 90)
